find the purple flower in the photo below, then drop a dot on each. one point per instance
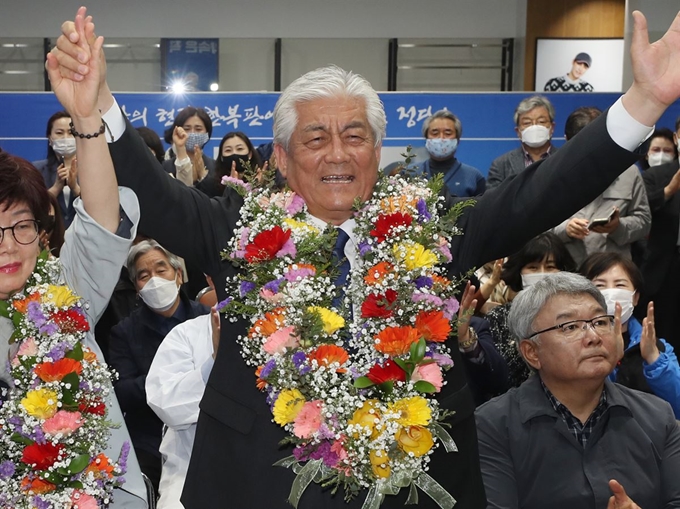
(451, 307)
(296, 205)
(273, 286)
(58, 351)
(122, 459)
(246, 287)
(297, 274)
(446, 252)
(7, 469)
(287, 249)
(364, 248)
(422, 210)
(300, 453)
(38, 435)
(324, 452)
(267, 369)
(35, 314)
(426, 297)
(223, 304)
(299, 359)
(423, 282)
(49, 328)
(39, 503)
(441, 359)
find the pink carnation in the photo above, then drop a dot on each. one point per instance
(308, 420)
(282, 338)
(271, 297)
(294, 275)
(63, 422)
(427, 297)
(429, 373)
(81, 500)
(294, 204)
(451, 307)
(28, 348)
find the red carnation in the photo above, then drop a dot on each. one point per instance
(378, 306)
(266, 244)
(71, 320)
(97, 407)
(43, 456)
(386, 222)
(390, 371)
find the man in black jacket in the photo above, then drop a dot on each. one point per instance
(328, 145)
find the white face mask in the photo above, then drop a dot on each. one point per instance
(159, 294)
(659, 158)
(535, 136)
(531, 279)
(64, 146)
(441, 148)
(623, 297)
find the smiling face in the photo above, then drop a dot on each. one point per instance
(616, 277)
(332, 158)
(546, 265)
(235, 145)
(578, 69)
(17, 261)
(590, 358)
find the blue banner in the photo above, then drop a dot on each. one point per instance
(190, 65)
(487, 118)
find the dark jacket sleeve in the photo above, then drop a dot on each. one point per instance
(130, 384)
(539, 197)
(491, 376)
(656, 179)
(181, 218)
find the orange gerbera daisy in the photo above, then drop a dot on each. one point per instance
(395, 341)
(441, 281)
(328, 354)
(269, 324)
(101, 464)
(260, 383)
(55, 371)
(433, 326)
(377, 273)
(37, 485)
(398, 204)
(22, 304)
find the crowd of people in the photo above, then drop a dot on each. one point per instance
(564, 385)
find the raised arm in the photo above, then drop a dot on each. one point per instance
(98, 185)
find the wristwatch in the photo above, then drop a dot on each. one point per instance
(470, 342)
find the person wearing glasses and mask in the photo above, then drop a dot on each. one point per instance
(442, 132)
(649, 363)
(534, 125)
(569, 437)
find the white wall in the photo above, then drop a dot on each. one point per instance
(270, 18)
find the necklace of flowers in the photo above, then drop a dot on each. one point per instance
(53, 427)
(353, 387)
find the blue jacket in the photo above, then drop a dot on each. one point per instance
(461, 180)
(662, 377)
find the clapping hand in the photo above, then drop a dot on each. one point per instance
(648, 348)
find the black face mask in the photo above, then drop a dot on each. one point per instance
(239, 159)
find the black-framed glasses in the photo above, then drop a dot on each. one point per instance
(576, 329)
(24, 232)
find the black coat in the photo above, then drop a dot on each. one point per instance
(236, 440)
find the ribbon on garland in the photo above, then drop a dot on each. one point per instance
(303, 479)
(376, 495)
(444, 437)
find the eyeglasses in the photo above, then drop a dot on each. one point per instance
(542, 121)
(24, 232)
(576, 329)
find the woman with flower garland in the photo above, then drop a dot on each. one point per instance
(345, 380)
(57, 445)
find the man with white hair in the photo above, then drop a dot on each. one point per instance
(567, 436)
(328, 130)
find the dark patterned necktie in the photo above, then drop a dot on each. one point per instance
(341, 263)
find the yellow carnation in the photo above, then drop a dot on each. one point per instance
(366, 417)
(412, 411)
(300, 226)
(40, 403)
(331, 321)
(380, 463)
(60, 296)
(415, 439)
(287, 406)
(414, 255)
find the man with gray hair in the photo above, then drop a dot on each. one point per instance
(442, 132)
(328, 131)
(534, 124)
(568, 437)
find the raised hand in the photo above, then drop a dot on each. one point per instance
(656, 71)
(648, 348)
(77, 88)
(620, 500)
(618, 331)
(467, 307)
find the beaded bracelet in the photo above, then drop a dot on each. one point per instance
(73, 131)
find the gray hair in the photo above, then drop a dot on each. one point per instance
(528, 303)
(443, 114)
(144, 247)
(325, 82)
(535, 101)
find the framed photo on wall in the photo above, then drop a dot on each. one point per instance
(578, 65)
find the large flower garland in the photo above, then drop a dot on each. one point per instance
(53, 427)
(355, 394)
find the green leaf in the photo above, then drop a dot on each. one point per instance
(76, 353)
(423, 386)
(408, 367)
(79, 463)
(387, 387)
(4, 308)
(362, 382)
(20, 439)
(417, 351)
(76, 484)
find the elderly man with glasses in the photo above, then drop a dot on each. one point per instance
(568, 437)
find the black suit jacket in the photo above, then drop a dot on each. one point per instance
(663, 236)
(236, 440)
